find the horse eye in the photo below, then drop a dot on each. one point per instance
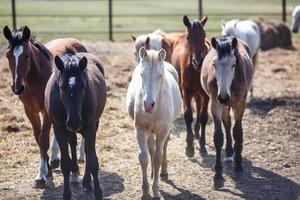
(233, 66)
(27, 56)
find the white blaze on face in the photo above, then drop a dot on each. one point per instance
(18, 50)
(72, 81)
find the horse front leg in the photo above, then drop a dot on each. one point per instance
(216, 110)
(158, 154)
(62, 137)
(164, 164)
(92, 159)
(188, 118)
(81, 157)
(54, 159)
(238, 135)
(142, 139)
(227, 124)
(75, 168)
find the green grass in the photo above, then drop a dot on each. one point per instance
(48, 28)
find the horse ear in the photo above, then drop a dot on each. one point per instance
(223, 24)
(143, 52)
(186, 21)
(59, 63)
(7, 33)
(82, 64)
(234, 43)
(147, 43)
(203, 20)
(214, 43)
(162, 55)
(26, 33)
(133, 38)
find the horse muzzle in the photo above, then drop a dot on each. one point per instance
(223, 98)
(74, 125)
(148, 106)
(197, 65)
(18, 91)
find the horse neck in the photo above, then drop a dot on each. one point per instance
(39, 64)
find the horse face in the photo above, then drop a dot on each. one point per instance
(224, 70)
(151, 74)
(295, 24)
(72, 85)
(196, 39)
(18, 56)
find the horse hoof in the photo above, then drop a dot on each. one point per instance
(218, 177)
(49, 174)
(146, 197)
(54, 164)
(189, 151)
(238, 168)
(164, 176)
(228, 159)
(40, 184)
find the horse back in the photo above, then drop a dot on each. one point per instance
(58, 46)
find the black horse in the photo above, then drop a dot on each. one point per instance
(75, 97)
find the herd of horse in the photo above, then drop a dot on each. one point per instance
(65, 84)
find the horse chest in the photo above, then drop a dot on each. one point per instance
(190, 79)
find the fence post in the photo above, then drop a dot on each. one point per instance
(200, 9)
(284, 10)
(110, 26)
(13, 9)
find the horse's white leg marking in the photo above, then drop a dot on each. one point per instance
(18, 50)
(228, 159)
(142, 139)
(54, 150)
(81, 151)
(160, 141)
(43, 170)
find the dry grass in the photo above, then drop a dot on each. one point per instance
(271, 139)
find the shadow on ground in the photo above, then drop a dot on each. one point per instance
(111, 183)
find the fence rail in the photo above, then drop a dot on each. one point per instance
(111, 30)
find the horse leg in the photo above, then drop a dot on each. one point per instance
(75, 168)
(188, 117)
(158, 154)
(227, 124)
(216, 110)
(238, 135)
(142, 139)
(164, 164)
(81, 158)
(92, 159)
(254, 61)
(54, 160)
(87, 179)
(197, 123)
(66, 162)
(151, 148)
(34, 118)
(203, 116)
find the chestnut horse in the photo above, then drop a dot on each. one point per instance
(75, 97)
(30, 65)
(188, 54)
(226, 77)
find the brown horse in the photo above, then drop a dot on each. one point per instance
(75, 97)
(188, 54)
(226, 77)
(30, 65)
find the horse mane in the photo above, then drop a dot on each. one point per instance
(18, 40)
(224, 46)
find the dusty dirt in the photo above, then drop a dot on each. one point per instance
(271, 139)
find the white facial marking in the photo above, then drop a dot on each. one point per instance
(72, 81)
(18, 50)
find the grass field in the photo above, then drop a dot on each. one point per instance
(48, 27)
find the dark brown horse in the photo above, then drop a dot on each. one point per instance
(226, 76)
(30, 65)
(188, 54)
(75, 97)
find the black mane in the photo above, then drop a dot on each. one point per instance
(224, 46)
(17, 40)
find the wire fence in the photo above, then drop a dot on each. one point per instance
(117, 19)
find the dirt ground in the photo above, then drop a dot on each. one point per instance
(271, 139)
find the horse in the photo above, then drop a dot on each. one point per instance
(248, 31)
(30, 66)
(153, 102)
(188, 53)
(226, 76)
(157, 40)
(295, 19)
(75, 97)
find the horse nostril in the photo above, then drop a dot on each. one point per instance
(223, 99)
(153, 104)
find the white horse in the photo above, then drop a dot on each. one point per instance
(296, 19)
(153, 102)
(249, 32)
